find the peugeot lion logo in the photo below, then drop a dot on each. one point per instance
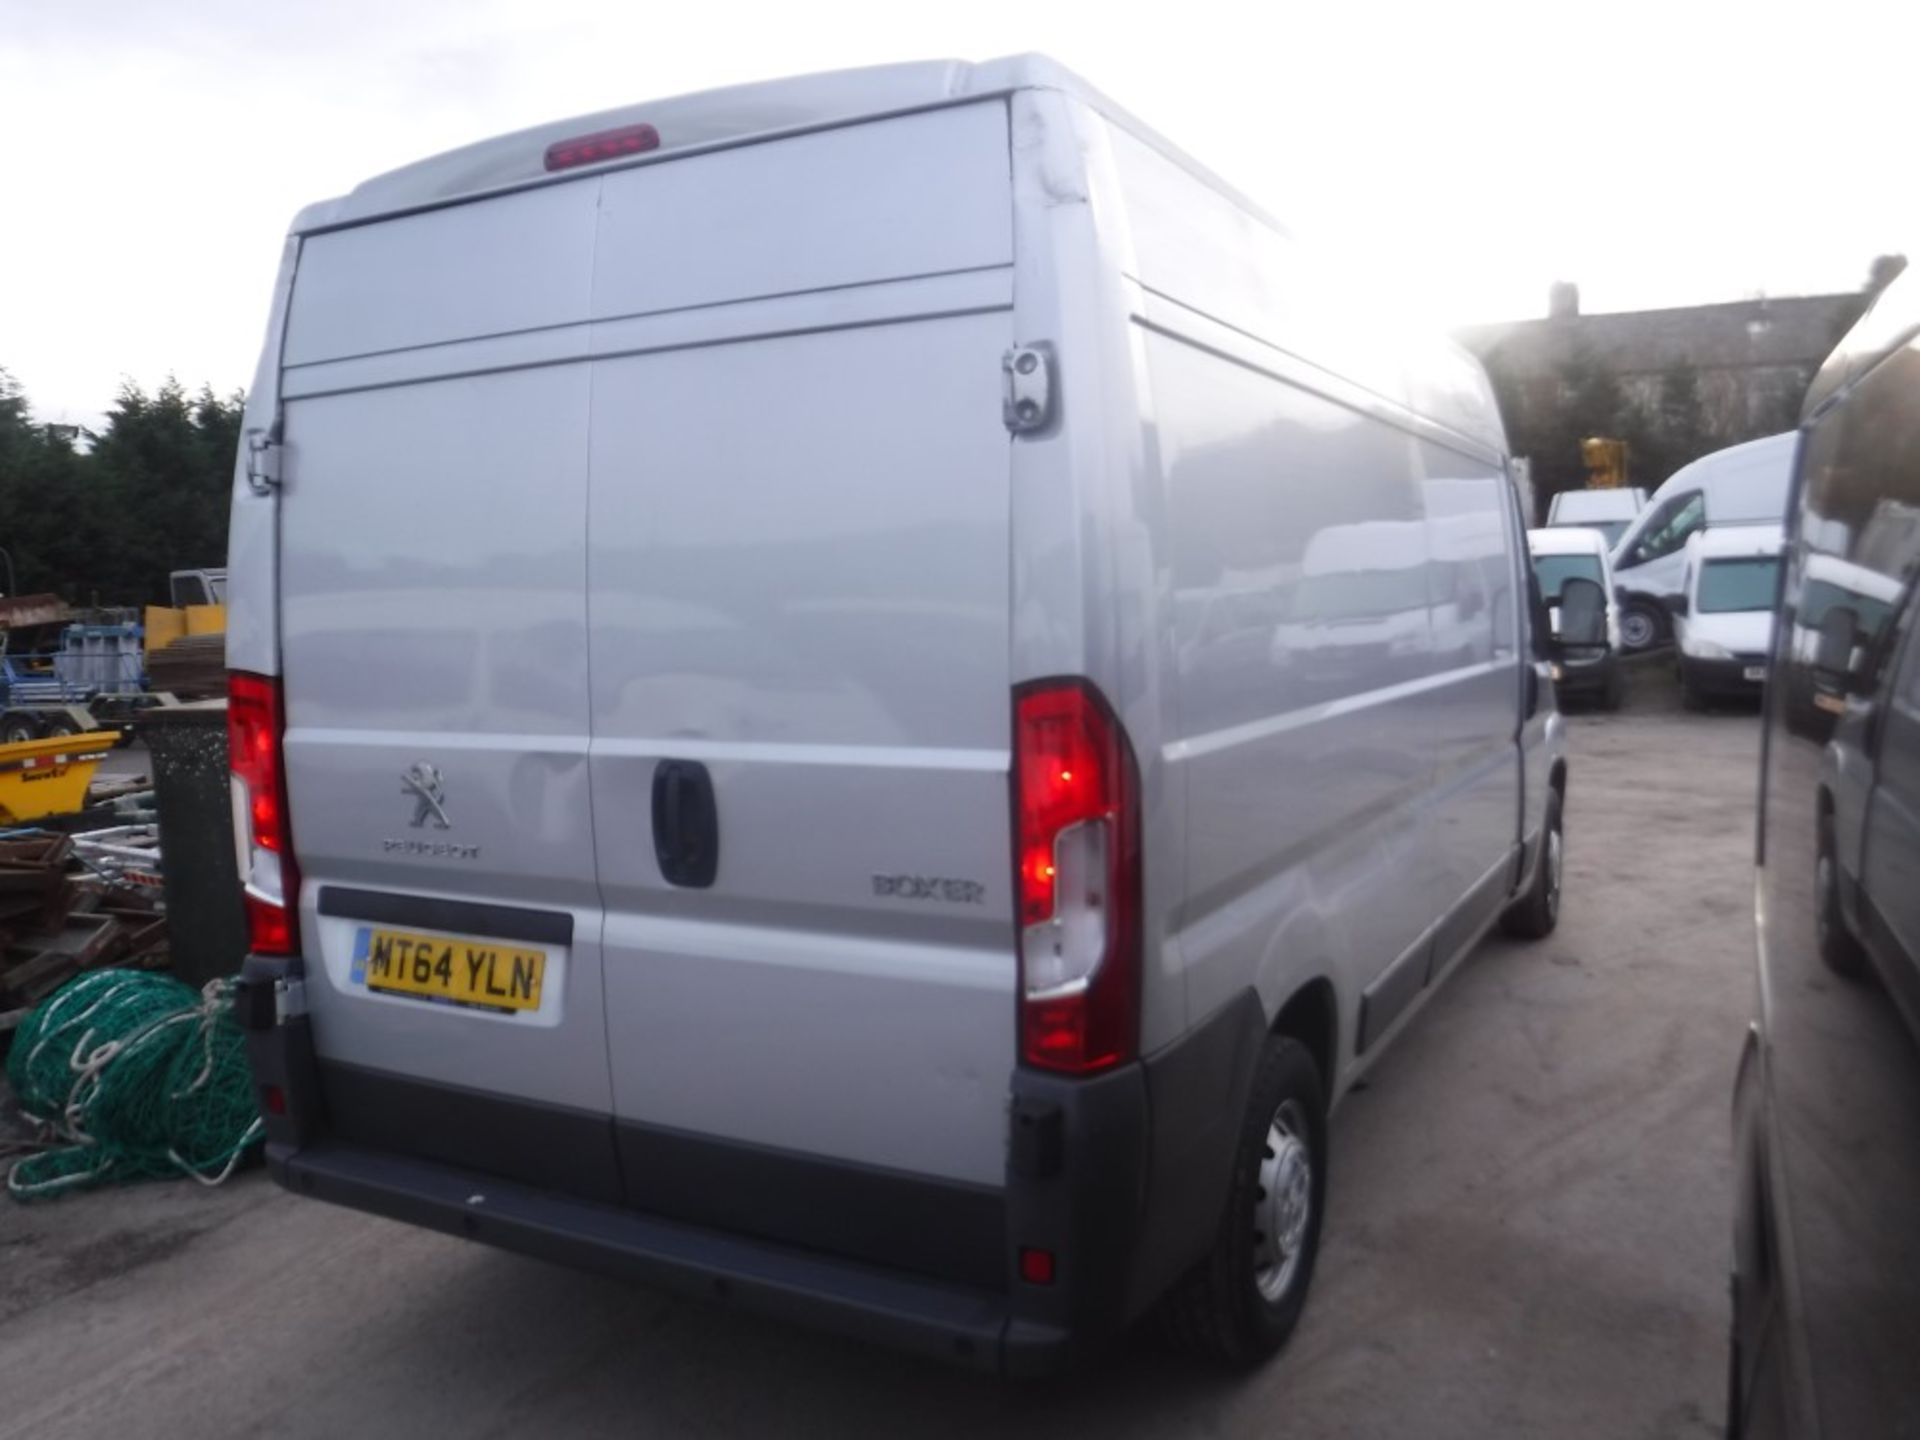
(429, 791)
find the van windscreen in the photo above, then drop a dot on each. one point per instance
(1555, 570)
(1748, 583)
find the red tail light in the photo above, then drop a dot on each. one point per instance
(604, 145)
(262, 835)
(1077, 875)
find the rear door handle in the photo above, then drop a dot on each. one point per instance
(686, 824)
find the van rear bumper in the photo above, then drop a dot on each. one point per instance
(1121, 1178)
(946, 1322)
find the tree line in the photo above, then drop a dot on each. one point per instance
(103, 517)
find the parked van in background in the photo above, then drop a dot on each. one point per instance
(763, 759)
(1567, 552)
(1723, 616)
(1826, 1283)
(1608, 511)
(1741, 485)
(1860, 601)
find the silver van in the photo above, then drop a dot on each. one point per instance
(761, 756)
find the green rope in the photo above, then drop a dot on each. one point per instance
(140, 1075)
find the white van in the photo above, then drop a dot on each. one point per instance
(1608, 511)
(1741, 485)
(1723, 616)
(759, 750)
(1571, 552)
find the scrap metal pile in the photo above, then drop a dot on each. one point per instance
(78, 894)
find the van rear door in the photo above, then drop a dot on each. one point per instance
(433, 614)
(799, 549)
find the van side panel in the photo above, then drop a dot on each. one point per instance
(1473, 709)
(798, 545)
(1302, 686)
(1342, 583)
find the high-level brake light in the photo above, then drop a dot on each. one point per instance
(602, 145)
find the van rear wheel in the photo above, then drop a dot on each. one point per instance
(1838, 947)
(1241, 1302)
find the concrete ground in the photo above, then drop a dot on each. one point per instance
(1528, 1231)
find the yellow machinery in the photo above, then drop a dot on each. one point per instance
(166, 624)
(199, 608)
(1606, 462)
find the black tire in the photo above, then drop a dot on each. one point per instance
(1839, 947)
(1238, 1305)
(1643, 627)
(18, 727)
(61, 725)
(1535, 914)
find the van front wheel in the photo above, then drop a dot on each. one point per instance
(1640, 627)
(1239, 1305)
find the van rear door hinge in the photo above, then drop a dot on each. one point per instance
(263, 459)
(1026, 377)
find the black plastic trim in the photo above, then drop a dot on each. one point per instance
(935, 1227)
(1392, 991)
(551, 1146)
(1197, 1092)
(1469, 919)
(945, 1321)
(458, 917)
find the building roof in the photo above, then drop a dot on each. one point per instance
(1798, 330)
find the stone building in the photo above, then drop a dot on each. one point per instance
(1753, 358)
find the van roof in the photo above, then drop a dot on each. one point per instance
(1724, 540)
(1600, 504)
(1766, 452)
(1566, 540)
(715, 119)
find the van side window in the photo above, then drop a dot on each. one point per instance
(1668, 531)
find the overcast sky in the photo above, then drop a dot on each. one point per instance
(1657, 154)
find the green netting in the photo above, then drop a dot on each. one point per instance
(141, 1076)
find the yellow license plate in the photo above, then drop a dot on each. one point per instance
(439, 967)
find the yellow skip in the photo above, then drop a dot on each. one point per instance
(49, 777)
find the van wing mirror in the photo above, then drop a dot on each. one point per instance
(1833, 651)
(1676, 604)
(1583, 613)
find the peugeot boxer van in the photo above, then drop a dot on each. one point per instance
(760, 755)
